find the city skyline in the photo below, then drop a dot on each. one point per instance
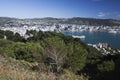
(60, 8)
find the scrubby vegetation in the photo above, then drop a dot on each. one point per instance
(53, 56)
(12, 69)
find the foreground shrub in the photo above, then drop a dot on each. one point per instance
(11, 69)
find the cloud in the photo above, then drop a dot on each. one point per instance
(112, 15)
(118, 15)
(101, 14)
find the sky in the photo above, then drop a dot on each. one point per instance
(60, 8)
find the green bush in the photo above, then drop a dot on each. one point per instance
(29, 51)
(106, 66)
(77, 60)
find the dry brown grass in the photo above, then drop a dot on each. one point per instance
(19, 70)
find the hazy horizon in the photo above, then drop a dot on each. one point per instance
(58, 17)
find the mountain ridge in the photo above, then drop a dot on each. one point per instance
(74, 20)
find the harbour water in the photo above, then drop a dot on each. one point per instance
(98, 37)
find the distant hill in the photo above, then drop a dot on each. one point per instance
(92, 21)
(6, 21)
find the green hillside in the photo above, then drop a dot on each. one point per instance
(52, 54)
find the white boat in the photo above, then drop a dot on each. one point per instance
(81, 37)
(113, 31)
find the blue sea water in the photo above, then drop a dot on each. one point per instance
(98, 37)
